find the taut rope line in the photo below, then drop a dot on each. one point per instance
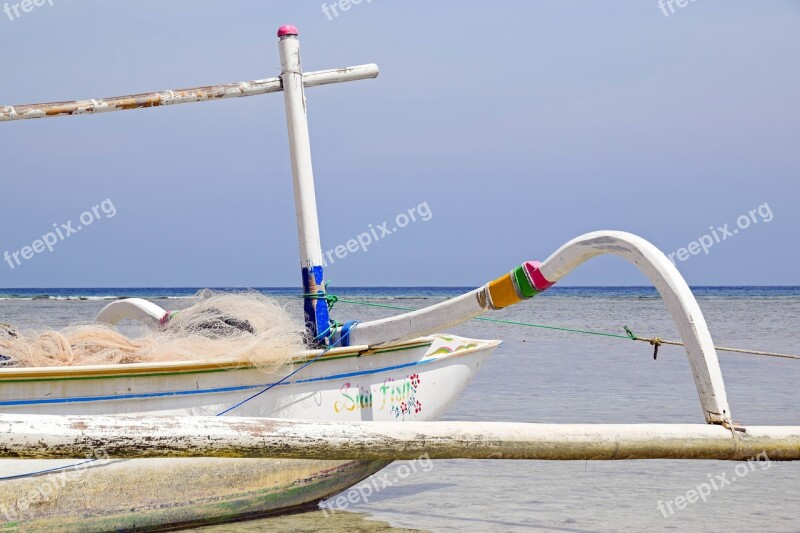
(653, 341)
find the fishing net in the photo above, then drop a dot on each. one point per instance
(218, 326)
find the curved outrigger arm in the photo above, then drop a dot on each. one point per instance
(532, 277)
(132, 309)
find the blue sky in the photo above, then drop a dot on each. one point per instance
(520, 124)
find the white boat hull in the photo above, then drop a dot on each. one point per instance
(417, 380)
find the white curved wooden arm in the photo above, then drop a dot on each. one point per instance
(649, 259)
(673, 289)
(133, 309)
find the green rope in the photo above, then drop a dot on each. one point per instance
(495, 320)
(369, 304)
(331, 300)
(555, 328)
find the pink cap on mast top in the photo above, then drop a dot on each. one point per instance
(287, 30)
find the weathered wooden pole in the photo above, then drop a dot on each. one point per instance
(207, 93)
(316, 307)
(60, 437)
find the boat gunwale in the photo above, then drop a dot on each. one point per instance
(22, 375)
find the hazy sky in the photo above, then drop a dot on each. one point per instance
(519, 124)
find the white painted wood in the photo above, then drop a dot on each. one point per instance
(430, 319)
(673, 289)
(131, 309)
(182, 96)
(315, 311)
(340, 75)
(57, 437)
(300, 151)
(661, 272)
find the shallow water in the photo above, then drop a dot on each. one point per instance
(547, 376)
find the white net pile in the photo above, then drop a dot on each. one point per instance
(219, 326)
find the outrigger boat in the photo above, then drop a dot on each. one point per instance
(172, 463)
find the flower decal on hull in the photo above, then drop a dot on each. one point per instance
(397, 396)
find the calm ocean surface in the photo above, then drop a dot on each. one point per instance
(547, 376)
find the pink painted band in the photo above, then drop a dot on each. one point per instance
(169, 315)
(287, 30)
(535, 275)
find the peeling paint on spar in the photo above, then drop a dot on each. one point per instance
(182, 96)
(55, 437)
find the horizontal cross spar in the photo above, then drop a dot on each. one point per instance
(56, 437)
(182, 96)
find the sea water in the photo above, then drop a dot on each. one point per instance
(541, 375)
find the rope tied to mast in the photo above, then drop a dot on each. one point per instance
(334, 325)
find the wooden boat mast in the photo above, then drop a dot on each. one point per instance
(315, 307)
(292, 82)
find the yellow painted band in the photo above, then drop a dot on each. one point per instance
(503, 293)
